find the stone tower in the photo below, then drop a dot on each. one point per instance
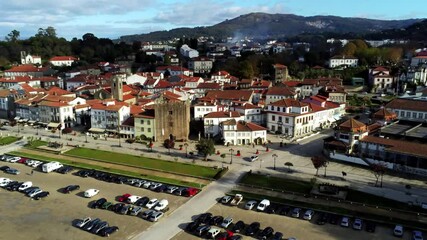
(172, 119)
(117, 87)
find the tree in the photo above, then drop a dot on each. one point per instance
(349, 49)
(206, 147)
(13, 36)
(378, 169)
(318, 162)
(169, 143)
(289, 165)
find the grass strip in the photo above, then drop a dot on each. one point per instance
(108, 170)
(8, 140)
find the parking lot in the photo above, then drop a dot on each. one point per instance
(52, 217)
(294, 227)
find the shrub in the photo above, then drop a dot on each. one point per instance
(66, 130)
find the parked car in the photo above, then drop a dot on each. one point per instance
(296, 212)
(204, 218)
(179, 191)
(226, 222)
(65, 169)
(147, 213)
(250, 204)
(266, 233)
(357, 224)
(189, 192)
(217, 220)
(125, 209)
(124, 197)
(155, 216)
(323, 218)
(41, 195)
(91, 192)
(135, 211)
(13, 186)
(262, 205)
(162, 205)
(13, 159)
(213, 232)
(254, 158)
(26, 191)
(142, 201)
(106, 232)
(91, 224)
(153, 202)
(225, 235)
(81, 222)
(277, 236)
(370, 227)
(283, 210)
(132, 199)
(334, 219)
(99, 226)
(154, 186)
(98, 203)
(117, 207)
(345, 222)
(34, 192)
(252, 229)
(201, 230)
(12, 171)
(4, 182)
(308, 215)
(226, 199)
(417, 235)
(238, 227)
(171, 189)
(192, 226)
(25, 185)
(398, 231)
(4, 168)
(70, 188)
(271, 209)
(107, 205)
(146, 184)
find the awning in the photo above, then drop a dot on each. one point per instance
(24, 120)
(97, 130)
(17, 118)
(31, 122)
(53, 125)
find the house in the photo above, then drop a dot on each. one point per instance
(203, 108)
(212, 121)
(419, 58)
(280, 73)
(343, 62)
(290, 117)
(225, 97)
(7, 102)
(200, 65)
(277, 93)
(414, 109)
(30, 59)
(145, 125)
(14, 82)
(381, 81)
(108, 115)
(188, 52)
(57, 114)
(384, 117)
(28, 70)
(326, 112)
(173, 71)
(242, 133)
(60, 61)
(221, 77)
(334, 93)
(203, 88)
(251, 112)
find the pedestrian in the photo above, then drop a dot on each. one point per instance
(32, 171)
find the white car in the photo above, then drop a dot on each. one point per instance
(213, 232)
(250, 204)
(398, 231)
(417, 235)
(152, 203)
(226, 199)
(254, 158)
(161, 205)
(82, 222)
(345, 222)
(91, 192)
(227, 221)
(263, 205)
(25, 185)
(308, 215)
(155, 185)
(4, 181)
(146, 184)
(357, 224)
(132, 199)
(13, 159)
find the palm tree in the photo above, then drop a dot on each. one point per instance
(289, 165)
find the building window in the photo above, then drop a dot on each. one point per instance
(414, 115)
(142, 129)
(420, 115)
(286, 120)
(280, 119)
(148, 129)
(408, 114)
(148, 122)
(170, 124)
(273, 118)
(142, 121)
(170, 112)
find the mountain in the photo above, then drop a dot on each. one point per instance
(415, 32)
(264, 26)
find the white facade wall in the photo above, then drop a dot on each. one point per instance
(351, 62)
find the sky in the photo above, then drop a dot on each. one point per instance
(106, 18)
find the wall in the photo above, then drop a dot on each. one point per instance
(172, 118)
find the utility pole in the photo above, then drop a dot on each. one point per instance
(274, 160)
(231, 155)
(186, 146)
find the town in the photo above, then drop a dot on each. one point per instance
(234, 138)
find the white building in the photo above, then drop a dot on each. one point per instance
(277, 93)
(343, 62)
(201, 109)
(251, 112)
(31, 59)
(381, 80)
(61, 61)
(413, 109)
(221, 77)
(186, 51)
(242, 133)
(213, 119)
(56, 114)
(108, 115)
(200, 65)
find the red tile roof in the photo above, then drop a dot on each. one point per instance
(242, 95)
(57, 91)
(25, 68)
(352, 125)
(53, 104)
(407, 104)
(399, 146)
(206, 85)
(232, 114)
(63, 58)
(281, 91)
(277, 65)
(289, 102)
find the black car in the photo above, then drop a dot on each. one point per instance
(4, 168)
(236, 237)
(65, 169)
(271, 209)
(106, 232)
(99, 226)
(13, 186)
(277, 236)
(71, 188)
(26, 191)
(142, 201)
(283, 210)
(238, 227)
(192, 226)
(253, 229)
(84, 173)
(323, 218)
(266, 233)
(205, 217)
(370, 227)
(88, 226)
(120, 180)
(41, 195)
(117, 207)
(217, 220)
(10, 184)
(98, 203)
(162, 188)
(333, 219)
(125, 209)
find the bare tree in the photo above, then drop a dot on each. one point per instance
(318, 162)
(378, 169)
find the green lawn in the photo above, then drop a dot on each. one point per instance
(109, 170)
(8, 140)
(144, 162)
(36, 144)
(276, 183)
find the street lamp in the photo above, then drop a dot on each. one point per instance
(86, 137)
(186, 146)
(231, 155)
(274, 160)
(260, 162)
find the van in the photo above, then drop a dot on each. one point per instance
(213, 232)
(155, 216)
(263, 205)
(25, 185)
(51, 166)
(161, 205)
(132, 199)
(91, 192)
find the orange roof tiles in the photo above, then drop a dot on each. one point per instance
(232, 114)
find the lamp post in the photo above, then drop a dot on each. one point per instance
(260, 163)
(274, 160)
(186, 146)
(86, 133)
(231, 155)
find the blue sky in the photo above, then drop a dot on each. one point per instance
(106, 18)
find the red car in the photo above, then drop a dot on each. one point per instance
(23, 160)
(225, 235)
(124, 198)
(189, 192)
